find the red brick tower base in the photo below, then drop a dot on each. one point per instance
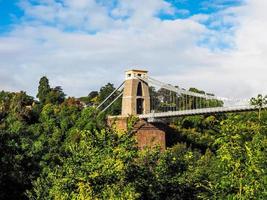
(147, 134)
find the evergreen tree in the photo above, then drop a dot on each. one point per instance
(46, 94)
(43, 89)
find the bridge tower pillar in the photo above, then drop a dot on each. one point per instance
(136, 101)
(136, 98)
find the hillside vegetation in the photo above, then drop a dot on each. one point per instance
(56, 148)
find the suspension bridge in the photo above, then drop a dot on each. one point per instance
(152, 99)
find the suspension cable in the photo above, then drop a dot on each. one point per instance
(175, 89)
(112, 102)
(181, 91)
(104, 101)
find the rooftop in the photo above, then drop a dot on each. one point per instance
(137, 70)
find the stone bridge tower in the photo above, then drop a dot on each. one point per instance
(136, 101)
(136, 98)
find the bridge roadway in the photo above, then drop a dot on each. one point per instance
(201, 111)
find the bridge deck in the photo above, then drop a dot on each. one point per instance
(198, 112)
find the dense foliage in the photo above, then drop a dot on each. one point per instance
(56, 148)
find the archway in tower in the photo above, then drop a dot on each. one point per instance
(139, 90)
(139, 106)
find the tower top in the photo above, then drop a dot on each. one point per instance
(137, 70)
(133, 73)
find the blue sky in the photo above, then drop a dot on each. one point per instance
(9, 14)
(186, 8)
(78, 44)
(11, 11)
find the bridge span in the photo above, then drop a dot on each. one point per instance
(153, 101)
(202, 111)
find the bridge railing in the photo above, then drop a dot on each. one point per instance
(214, 110)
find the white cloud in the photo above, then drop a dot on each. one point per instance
(242, 71)
(81, 62)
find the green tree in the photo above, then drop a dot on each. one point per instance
(259, 102)
(18, 165)
(104, 92)
(94, 167)
(46, 94)
(56, 96)
(93, 94)
(43, 90)
(238, 171)
(91, 99)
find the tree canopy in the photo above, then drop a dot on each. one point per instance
(56, 148)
